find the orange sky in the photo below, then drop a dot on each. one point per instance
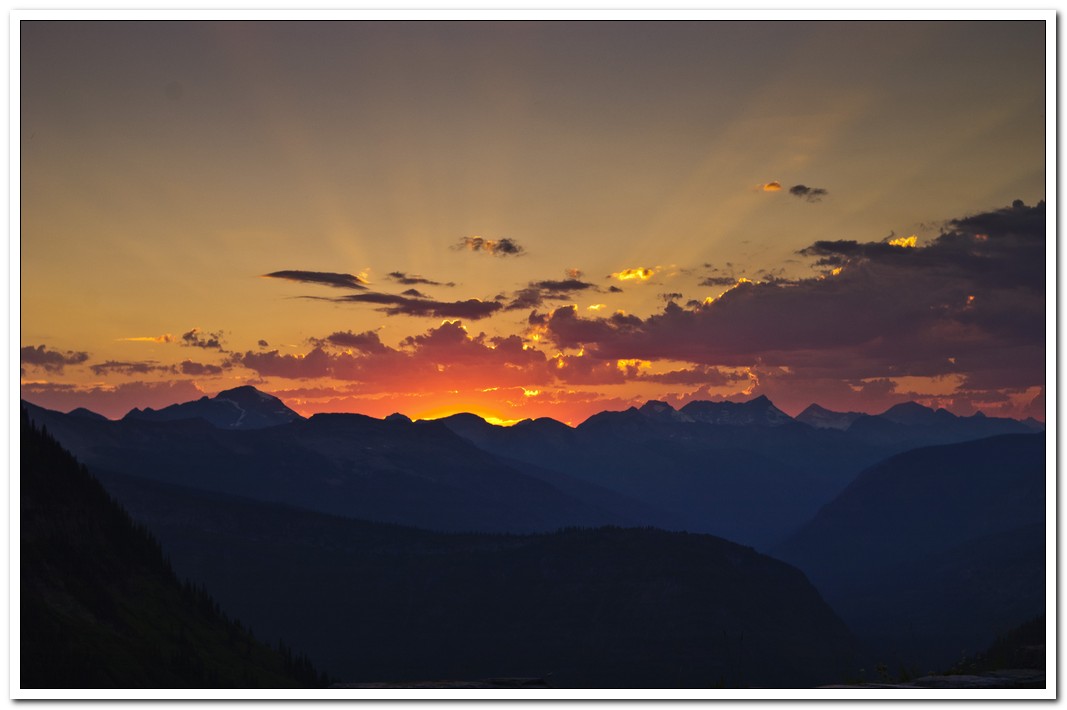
(525, 219)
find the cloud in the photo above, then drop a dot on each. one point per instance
(367, 341)
(130, 368)
(970, 302)
(501, 247)
(811, 194)
(195, 339)
(442, 359)
(639, 273)
(614, 289)
(263, 344)
(324, 278)
(701, 375)
(188, 367)
(50, 360)
(718, 281)
(414, 293)
(395, 305)
(574, 273)
(165, 338)
(415, 280)
(772, 186)
(538, 292)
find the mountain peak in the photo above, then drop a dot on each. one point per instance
(908, 413)
(757, 411)
(661, 411)
(823, 418)
(242, 407)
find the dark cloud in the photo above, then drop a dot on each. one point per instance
(668, 297)
(263, 344)
(416, 280)
(414, 293)
(614, 289)
(188, 367)
(50, 360)
(538, 292)
(504, 246)
(367, 341)
(970, 303)
(811, 194)
(397, 305)
(442, 359)
(699, 375)
(195, 339)
(130, 368)
(325, 278)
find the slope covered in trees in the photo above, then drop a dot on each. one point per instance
(100, 606)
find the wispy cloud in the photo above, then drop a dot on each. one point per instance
(416, 280)
(505, 246)
(131, 368)
(165, 338)
(399, 305)
(324, 278)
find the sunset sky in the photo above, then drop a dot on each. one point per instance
(524, 219)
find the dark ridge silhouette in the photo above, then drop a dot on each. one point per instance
(743, 471)
(604, 607)
(935, 550)
(100, 606)
(417, 473)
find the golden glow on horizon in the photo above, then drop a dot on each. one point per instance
(639, 273)
(597, 306)
(445, 412)
(530, 393)
(904, 242)
(772, 186)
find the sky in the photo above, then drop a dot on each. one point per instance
(526, 219)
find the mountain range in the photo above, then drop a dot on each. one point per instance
(923, 530)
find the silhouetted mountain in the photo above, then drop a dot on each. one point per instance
(1034, 424)
(87, 414)
(743, 471)
(345, 464)
(935, 547)
(911, 425)
(238, 408)
(100, 606)
(752, 478)
(820, 418)
(756, 412)
(594, 608)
